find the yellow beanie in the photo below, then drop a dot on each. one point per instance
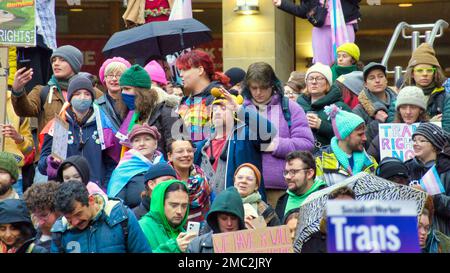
(351, 49)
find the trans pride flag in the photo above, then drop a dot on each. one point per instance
(431, 182)
(339, 33)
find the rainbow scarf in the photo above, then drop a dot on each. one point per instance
(131, 164)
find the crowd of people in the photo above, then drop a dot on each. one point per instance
(237, 147)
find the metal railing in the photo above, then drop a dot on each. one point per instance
(432, 31)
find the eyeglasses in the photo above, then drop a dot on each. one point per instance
(425, 228)
(420, 141)
(114, 76)
(317, 79)
(293, 172)
(425, 70)
(182, 151)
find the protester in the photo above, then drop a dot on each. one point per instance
(146, 105)
(263, 93)
(300, 176)
(346, 62)
(317, 242)
(9, 173)
(181, 158)
(236, 140)
(346, 155)
(93, 224)
(296, 85)
(45, 102)
(163, 225)
(424, 71)
(156, 174)
(237, 76)
(429, 140)
(291, 220)
(430, 239)
(16, 229)
(40, 200)
(350, 85)
(226, 215)
(127, 180)
(247, 179)
(322, 36)
(17, 140)
(410, 109)
(83, 135)
(393, 169)
(318, 95)
(197, 71)
(76, 167)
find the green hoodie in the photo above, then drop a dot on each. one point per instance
(160, 234)
(295, 201)
(227, 201)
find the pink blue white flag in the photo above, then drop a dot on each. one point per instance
(431, 182)
(339, 33)
(182, 9)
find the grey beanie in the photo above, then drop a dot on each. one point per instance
(71, 54)
(411, 95)
(353, 81)
(433, 134)
(79, 82)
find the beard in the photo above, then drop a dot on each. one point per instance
(4, 188)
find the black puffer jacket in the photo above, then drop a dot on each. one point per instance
(442, 201)
(349, 7)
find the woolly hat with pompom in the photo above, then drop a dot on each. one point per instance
(343, 122)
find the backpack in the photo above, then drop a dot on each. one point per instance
(43, 95)
(57, 236)
(286, 111)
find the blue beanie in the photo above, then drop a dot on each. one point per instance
(71, 54)
(343, 122)
(158, 170)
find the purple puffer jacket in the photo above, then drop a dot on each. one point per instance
(298, 138)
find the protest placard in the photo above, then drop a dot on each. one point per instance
(60, 137)
(372, 226)
(264, 240)
(396, 140)
(17, 23)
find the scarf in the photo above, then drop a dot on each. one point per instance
(199, 193)
(429, 89)
(295, 201)
(252, 199)
(432, 243)
(358, 158)
(338, 70)
(374, 99)
(61, 84)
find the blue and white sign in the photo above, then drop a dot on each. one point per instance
(372, 226)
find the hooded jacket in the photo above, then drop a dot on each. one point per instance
(161, 236)
(442, 201)
(104, 234)
(297, 137)
(82, 140)
(324, 134)
(228, 201)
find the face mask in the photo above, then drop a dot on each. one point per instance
(81, 105)
(129, 100)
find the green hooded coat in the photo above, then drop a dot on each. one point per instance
(160, 234)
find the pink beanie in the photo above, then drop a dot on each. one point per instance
(156, 72)
(101, 72)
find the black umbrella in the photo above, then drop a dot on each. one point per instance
(157, 38)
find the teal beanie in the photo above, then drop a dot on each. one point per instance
(343, 122)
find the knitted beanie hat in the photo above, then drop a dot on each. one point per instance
(71, 54)
(8, 163)
(412, 95)
(325, 70)
(156, 72)
(253, 168)
(79, 82)
(343, 122)
(236, 75)
(433, 134)
(158, 170)
(135, 76)
(351, 49)
(424, 54)
(101, 72)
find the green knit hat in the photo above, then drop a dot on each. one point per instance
(135, 76)
(343, 122)
(9, 163)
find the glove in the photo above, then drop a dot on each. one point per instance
(52, 167)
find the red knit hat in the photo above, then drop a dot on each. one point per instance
(144, 129)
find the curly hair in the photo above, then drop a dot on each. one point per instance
(146, 100)
(68, 193)
(41, 197)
